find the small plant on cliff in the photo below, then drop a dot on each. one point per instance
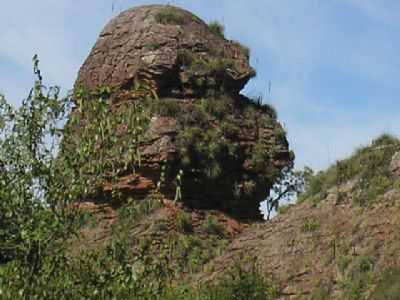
(170, 16)
(310, 224)
(217, 28)
(211, 225)
(167, 107)
(183, 223)
(218, 107)
(184, 57)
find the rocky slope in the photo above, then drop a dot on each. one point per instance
(222, 152)
(339, 242)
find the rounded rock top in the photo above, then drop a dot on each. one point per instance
(174, 50)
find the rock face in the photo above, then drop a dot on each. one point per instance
(315, 250)
(168, 45)
(230, 148)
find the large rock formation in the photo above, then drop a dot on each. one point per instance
(170, 46)
(231, 149)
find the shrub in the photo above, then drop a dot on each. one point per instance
(240, 284)
(343, 263)
(280, 133)
(184, 57)
(215, 66)
(217, 28)
(183, 223)
(154, 45)
(310, 224)
(218, 107)
(211, 225)
(388, 286)
(359, 278)
(167, 107)
(169, 16)
(261, 163)
(205, 152)
(257, 102)
(321, 293)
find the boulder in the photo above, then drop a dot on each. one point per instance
(172, 47)
(230, 148)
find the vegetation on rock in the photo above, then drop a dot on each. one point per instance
(170, 16)
(217, 28)
(41, 227)
(138, 185)
(368, 168)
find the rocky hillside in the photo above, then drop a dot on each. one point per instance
(179, 150)
(152, 188)
(342, 240)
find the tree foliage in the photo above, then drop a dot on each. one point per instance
(42, 174)
(290, 184)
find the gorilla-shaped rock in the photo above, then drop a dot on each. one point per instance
(231, 149)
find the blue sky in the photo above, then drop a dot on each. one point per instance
(334, 65)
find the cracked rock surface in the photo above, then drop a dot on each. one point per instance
(155, 42)
(189, 63)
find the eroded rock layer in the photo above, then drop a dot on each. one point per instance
(172, 47)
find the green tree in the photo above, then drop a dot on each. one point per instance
(289, 184)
